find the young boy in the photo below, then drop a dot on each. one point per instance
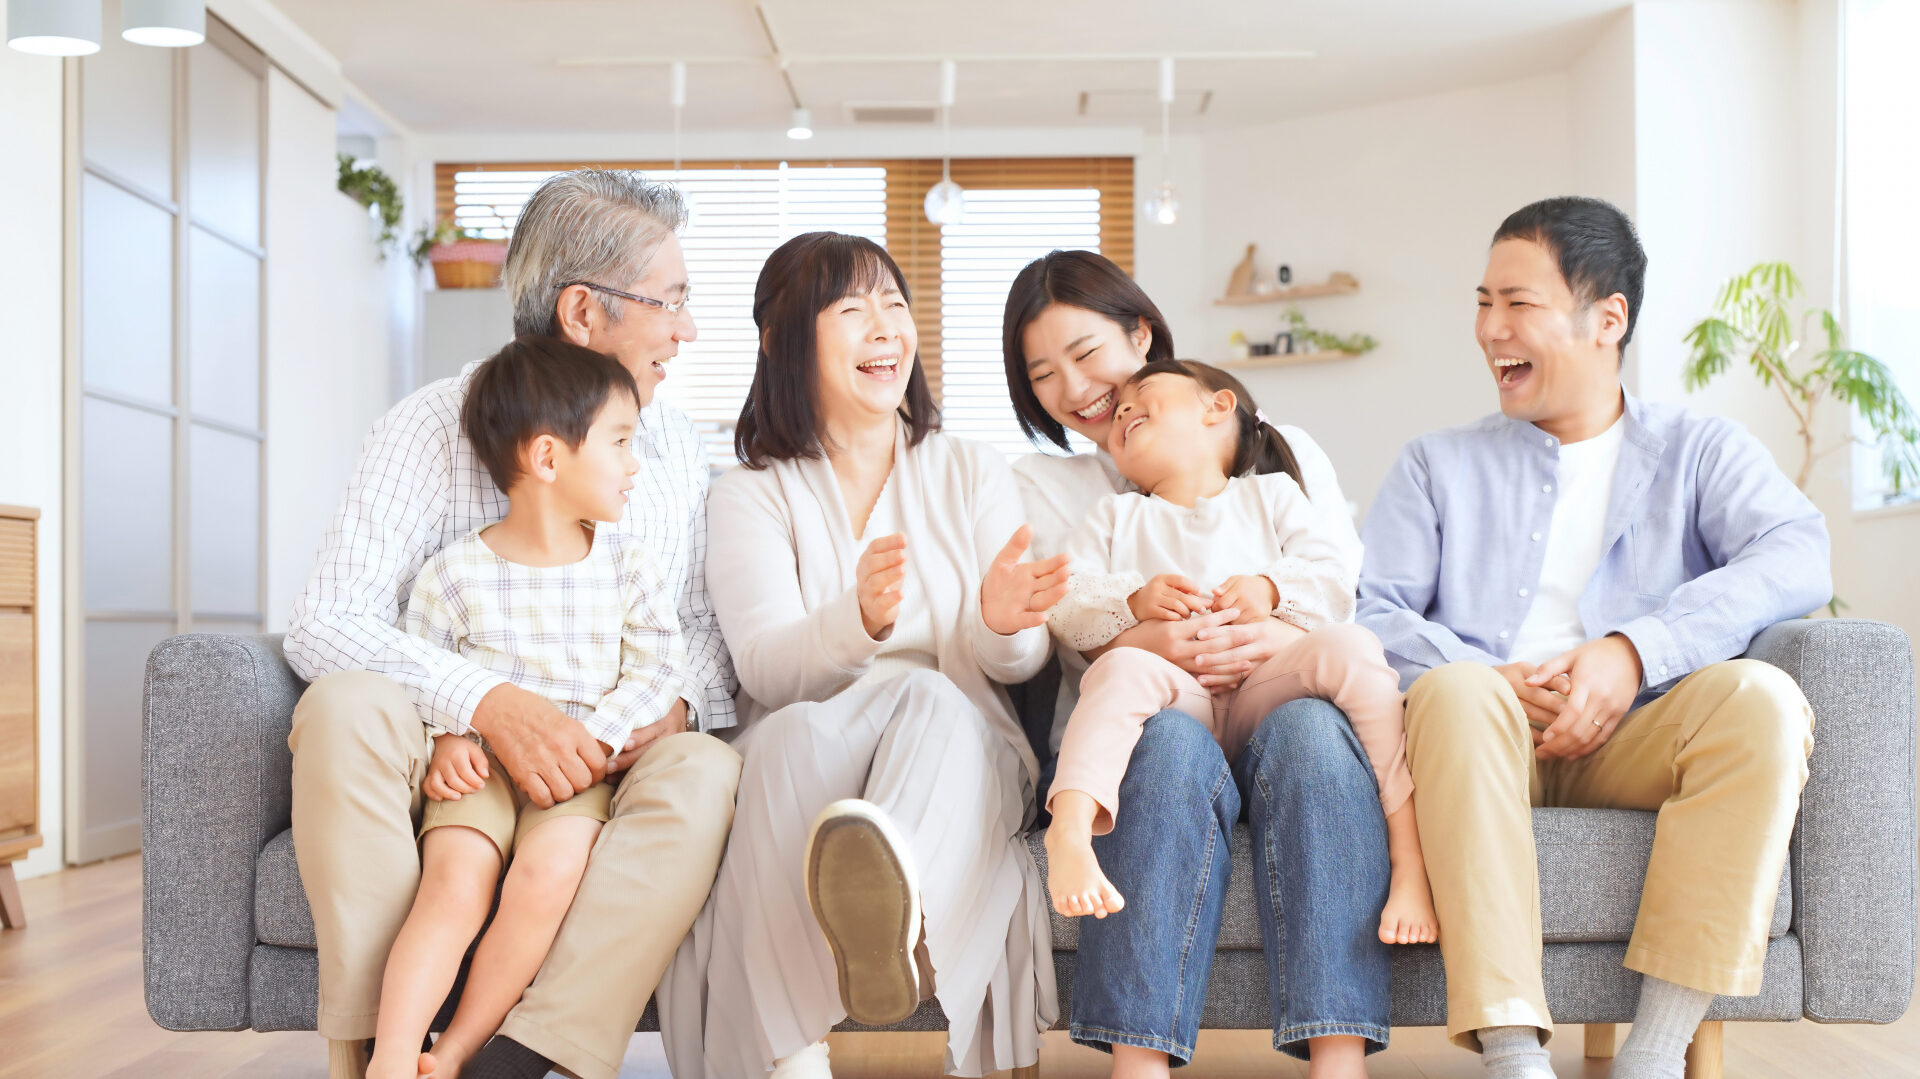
(578, 616)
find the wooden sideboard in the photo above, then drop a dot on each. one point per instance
(19, 703)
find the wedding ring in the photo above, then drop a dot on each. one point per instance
(1597, 723)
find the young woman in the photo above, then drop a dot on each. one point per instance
(874, 601)
(1076, 329)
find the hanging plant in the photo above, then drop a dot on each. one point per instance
(370, 186)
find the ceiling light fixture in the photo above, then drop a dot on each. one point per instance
(677, 96)
(946, 200)
(172, 24)
(53, 27)
(801, 125)
(1162, 207)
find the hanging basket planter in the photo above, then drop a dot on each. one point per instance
(468, 263)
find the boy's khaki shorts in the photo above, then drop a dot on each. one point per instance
(503, 814)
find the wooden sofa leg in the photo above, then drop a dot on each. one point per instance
(1031, 1071)
(1601, 1040)
(1704, 1056)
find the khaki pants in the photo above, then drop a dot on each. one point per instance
(1722, 757)
(360, 753)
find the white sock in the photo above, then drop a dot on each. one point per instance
(1663, 1026)
(808, 1063)
(1514, 1053)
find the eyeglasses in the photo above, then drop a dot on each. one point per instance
(670, 308)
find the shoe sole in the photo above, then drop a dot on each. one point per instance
(863, 894)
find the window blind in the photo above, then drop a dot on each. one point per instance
(1019, 209)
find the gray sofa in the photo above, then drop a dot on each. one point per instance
(229, 941)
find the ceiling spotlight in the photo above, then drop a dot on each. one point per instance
(801, 126)
(53, 27)
(167, 23)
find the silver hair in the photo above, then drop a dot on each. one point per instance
(599, 225)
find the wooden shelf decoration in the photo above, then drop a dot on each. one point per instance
(1286, 359)
(1340, 284)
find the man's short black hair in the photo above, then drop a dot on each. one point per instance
(537, 386)
(1595, 244)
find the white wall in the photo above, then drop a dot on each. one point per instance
(330, 353)
(1405, 196)
(31, 403)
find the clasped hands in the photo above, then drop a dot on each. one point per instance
(548, 754)
(1575, 701)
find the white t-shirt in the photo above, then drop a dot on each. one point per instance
(1575, 544)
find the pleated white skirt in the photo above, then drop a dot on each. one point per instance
(754, 981)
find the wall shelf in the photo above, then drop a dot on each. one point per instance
(1286, 359)
(1339, 284)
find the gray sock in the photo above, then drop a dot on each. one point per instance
(1514, 1053)
(1663, 1025)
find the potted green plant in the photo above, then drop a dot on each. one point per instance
(1751, 320)
(1309, 339)
(460, 259)
(371, 187)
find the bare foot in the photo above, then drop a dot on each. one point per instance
(393, 1067)
(444, 1062)
(1074, 878)
(1408, 917)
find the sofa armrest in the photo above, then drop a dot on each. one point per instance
(1854, 850)
(217, 783)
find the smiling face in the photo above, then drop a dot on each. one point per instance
(646, 337)
(1166, 425)
(1552, 358)
(866, 347)
(1077, 360)
(592, 480)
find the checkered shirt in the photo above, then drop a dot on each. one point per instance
(418, 487)
(598, 638)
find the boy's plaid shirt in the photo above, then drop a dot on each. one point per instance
(598, 638)
(418, 487)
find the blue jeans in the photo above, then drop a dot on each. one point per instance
(1320, 877)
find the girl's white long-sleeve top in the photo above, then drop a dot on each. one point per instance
(1257, 525)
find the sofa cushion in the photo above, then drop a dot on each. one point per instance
(1592, 863)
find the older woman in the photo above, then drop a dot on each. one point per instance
(867, 581)
(1076, 328)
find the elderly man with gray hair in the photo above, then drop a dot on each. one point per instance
(594, 260)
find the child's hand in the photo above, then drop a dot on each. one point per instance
(1169, 596)
(458, 767)
(1253, 595)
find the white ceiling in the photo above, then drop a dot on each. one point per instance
(470, 66)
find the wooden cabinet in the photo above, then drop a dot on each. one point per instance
(19, 703)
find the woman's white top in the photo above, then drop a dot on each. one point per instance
(1256, 525)
(781, 560)
(907, 645)
(1058, 493)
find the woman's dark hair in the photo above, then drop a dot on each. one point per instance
(1595, 245)
(1080, 279)
(535, 386)
(780, 420)
(1260, 448)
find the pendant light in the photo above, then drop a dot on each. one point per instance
(801, 125)
(172, 24)
(1162, 207)
(54, 27)
(946, 200)
(677, 95)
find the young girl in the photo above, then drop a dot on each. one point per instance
(574, 613)
(1222, 523)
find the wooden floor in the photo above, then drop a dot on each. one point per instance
(70, 1006)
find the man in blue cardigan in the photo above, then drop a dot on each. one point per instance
(1563, 587)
